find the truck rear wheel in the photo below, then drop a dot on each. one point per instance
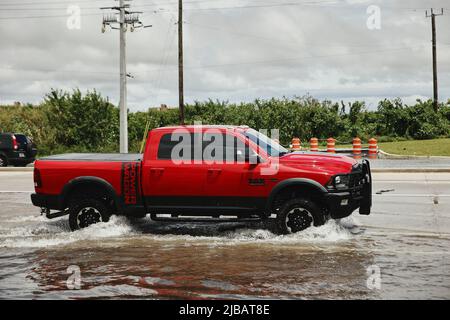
(85, 212)
(297, 215)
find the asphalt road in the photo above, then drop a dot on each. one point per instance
(421, 198)
(406, 238)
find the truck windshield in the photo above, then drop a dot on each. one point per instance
(272, 148)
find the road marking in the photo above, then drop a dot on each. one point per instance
(19, 191)
(410, 195)
(375, 181)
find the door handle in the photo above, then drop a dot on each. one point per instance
(214, 170)
(157, 170)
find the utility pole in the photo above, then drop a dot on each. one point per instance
(180, 62)
(433, 31)
(121, 20)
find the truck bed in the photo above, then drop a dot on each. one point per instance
(121, 157)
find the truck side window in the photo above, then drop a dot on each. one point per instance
(234, 150)
(166, 146)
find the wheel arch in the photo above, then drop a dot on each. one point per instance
(78, 183)
(300, 185)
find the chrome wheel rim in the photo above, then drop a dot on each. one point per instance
(298, 219)
(87, 216)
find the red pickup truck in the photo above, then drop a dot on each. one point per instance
(204, 173)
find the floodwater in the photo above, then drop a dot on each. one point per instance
(401, 251)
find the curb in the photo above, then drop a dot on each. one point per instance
(385, 155)
(16, 169)
(410, 170)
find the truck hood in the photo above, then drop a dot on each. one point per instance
(326, 162)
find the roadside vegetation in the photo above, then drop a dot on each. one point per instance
(77, 122)
(435, 147)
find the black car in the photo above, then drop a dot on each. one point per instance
(16, 149)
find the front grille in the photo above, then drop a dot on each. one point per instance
(356, 176)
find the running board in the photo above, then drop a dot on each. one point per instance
(56, 214)
(155, 217)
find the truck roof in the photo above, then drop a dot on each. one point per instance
(123, 157)
(204, 126)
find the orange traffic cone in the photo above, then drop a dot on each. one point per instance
(314, 144)
(357, 148)
(330, 145)
(373, 148)
(296, 144)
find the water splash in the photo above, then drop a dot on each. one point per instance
(57, 232)
(47, 233)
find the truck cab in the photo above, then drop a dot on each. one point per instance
(205, 173)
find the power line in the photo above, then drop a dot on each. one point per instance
(39, 3)
(233, 64)
(46, 16)
(309, 3)
(296, 58)
(279, 40)
(109, 73)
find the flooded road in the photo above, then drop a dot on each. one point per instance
(406, 240)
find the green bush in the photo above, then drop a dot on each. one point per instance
(73, 122)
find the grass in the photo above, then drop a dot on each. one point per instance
(434, 147)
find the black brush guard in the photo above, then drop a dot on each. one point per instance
(366, 192)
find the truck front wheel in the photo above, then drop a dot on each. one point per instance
(85, 212)
(297, 215)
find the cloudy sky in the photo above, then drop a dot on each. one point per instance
(235, 50)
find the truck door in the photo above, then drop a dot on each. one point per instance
(172, 183)
(236, 183)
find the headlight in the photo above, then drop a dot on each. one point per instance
(340, 182)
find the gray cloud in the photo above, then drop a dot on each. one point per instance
(238, 54)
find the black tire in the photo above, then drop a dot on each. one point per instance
(85, 212)
(3, 161)
(297, 215)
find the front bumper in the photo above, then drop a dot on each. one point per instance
(342, 203)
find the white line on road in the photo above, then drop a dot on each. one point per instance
(410, 195)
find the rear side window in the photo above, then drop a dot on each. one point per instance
(5, 141)
(166, 146)
(21, 139)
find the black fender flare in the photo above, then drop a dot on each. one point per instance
(297, 182)
(94, 181)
